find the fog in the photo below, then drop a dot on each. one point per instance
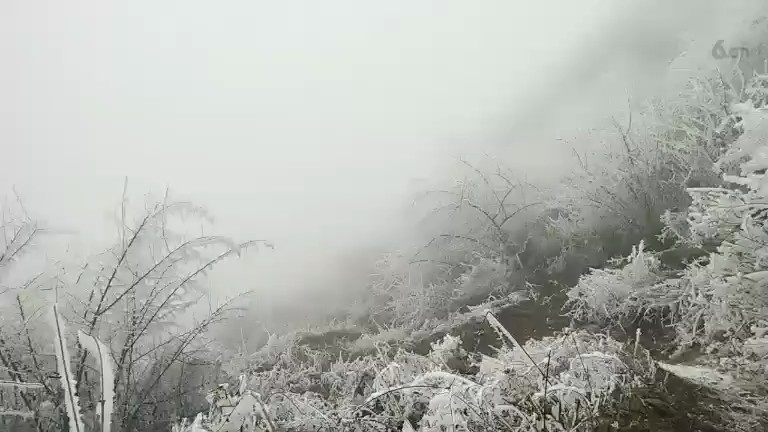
(307, 123)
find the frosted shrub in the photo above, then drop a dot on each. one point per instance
(413, 305)
(559, 383)
(446, 350)
(404, 367)
(485, 276)
(730, 285)
(595, 363)
(402, 296)
(720, 299)
(604, 294)
(714, 215)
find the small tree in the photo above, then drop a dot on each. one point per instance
(27, 396)
(485, 216)
(142, 297)
(476, 231)
(137, 291)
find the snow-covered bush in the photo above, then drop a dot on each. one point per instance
(404, 295)
(719, 304)
(730, 287)
(638, 170)
(559, 383)
(484, 276)
(240, 410)
(614, 293)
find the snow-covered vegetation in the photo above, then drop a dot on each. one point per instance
(716, 304)
(655, 248)
(559, 383)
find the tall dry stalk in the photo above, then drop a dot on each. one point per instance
(68, 383)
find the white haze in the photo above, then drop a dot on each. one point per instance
(306, 122)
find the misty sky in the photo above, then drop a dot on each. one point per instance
(299, 121)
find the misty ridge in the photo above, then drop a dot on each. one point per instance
(384, 217)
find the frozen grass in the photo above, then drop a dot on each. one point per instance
(559, 383)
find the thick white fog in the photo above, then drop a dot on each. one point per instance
(444, 204)
(306, 122)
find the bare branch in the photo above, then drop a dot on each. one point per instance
(516, 212)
